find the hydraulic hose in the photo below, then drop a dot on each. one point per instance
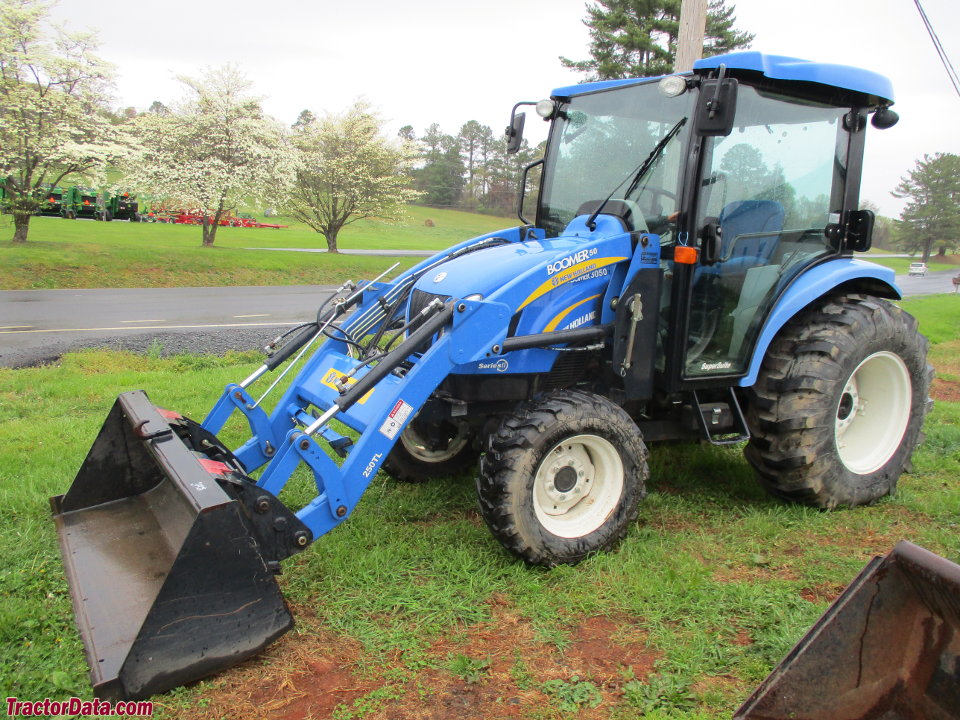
(420, 337)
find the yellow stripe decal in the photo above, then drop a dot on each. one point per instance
(573, 272)
(552, 325)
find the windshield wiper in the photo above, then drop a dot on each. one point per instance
(638, 174)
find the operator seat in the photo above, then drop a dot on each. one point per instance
(750, 232)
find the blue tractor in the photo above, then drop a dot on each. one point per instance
(689, 274)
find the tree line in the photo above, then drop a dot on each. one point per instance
(470, 170)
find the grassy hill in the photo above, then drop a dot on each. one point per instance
(85, 254)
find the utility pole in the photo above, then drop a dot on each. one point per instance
(693, 21)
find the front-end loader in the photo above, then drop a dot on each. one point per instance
(689, 274)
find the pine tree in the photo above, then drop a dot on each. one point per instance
(931, 217)
(440, 178)
(638, 38)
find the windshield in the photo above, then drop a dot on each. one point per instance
(598, 140)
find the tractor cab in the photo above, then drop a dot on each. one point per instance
(750, 165)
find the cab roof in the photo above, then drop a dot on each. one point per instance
(774, 67)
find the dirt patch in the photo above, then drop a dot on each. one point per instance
(436, 695)
(753, 573)
(305, 674)
(741, 638)
(852, 535)
(945, 390)
(604, 647)
(309, 673)
(825, 592)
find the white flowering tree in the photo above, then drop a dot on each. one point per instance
(214, 152)
(53, 119)
(348, 170)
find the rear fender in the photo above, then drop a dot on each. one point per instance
(814, 284)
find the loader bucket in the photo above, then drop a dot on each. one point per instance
(888, 648)
(169, 556)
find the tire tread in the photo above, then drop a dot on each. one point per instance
(792, 400)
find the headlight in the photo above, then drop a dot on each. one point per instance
(672, 86)
(546, 108)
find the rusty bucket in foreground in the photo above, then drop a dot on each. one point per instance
(170, 554)
(887, 649)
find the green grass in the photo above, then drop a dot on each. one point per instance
(417, 602)
(84, 254)
(902, 265)
(939, 316)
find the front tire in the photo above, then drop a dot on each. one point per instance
(839, 403)
(562, 478)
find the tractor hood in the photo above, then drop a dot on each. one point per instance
(486, 271)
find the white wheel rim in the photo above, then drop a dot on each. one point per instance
(417, 446)
(873, 413)
(578, 486)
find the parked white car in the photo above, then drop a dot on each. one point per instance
(917, 269)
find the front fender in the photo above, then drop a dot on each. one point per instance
(813, 284)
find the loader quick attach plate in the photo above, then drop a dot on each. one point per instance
(168, 578)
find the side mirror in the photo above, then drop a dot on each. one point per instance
(860, 230)
(710, 241)
(515, 132)
(717, 106)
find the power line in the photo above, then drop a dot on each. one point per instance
(948, 66)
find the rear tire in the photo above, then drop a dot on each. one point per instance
(562, 477)
(839, 403)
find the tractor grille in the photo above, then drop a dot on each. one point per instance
(569, 369)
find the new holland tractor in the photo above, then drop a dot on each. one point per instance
(688, 274)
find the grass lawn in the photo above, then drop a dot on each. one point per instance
(412, 609)
(83, 253)
(902, 265)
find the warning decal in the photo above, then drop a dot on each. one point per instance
(395, 420)
(334, 379)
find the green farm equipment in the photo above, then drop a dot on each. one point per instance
(122, 206)
(82, 202)
(50, 201)
(689, 275)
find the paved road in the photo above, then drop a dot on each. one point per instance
(932, 283)
(39, 325)
(379, 253)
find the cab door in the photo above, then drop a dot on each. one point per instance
(769, 189)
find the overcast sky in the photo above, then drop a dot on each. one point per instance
(425, 61)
